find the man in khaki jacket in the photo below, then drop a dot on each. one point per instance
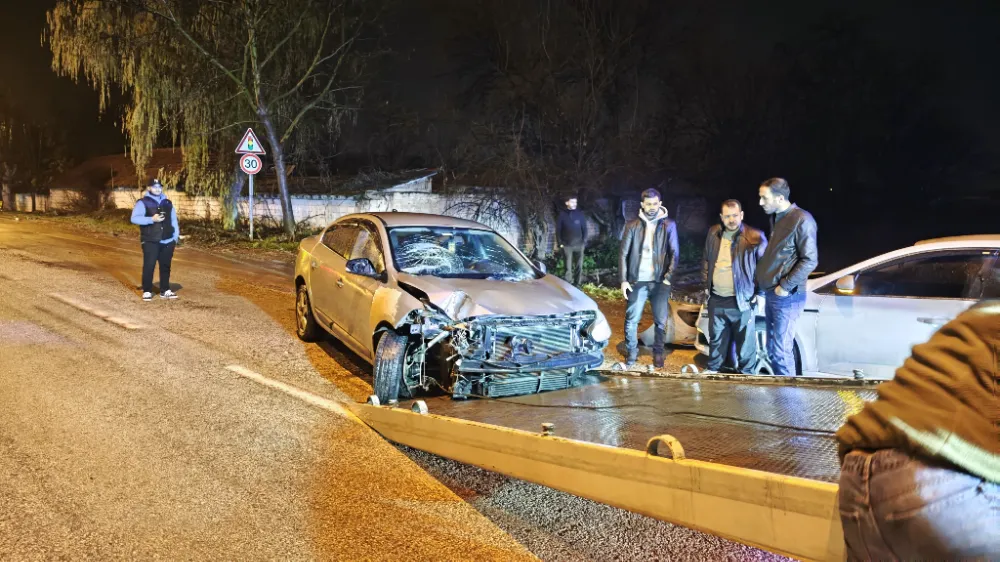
(920, 477)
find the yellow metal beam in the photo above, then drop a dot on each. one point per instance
(795, 517)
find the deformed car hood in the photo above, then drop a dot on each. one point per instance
(464, 298)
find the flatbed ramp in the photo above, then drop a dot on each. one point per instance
(628, 442)
(775, 428)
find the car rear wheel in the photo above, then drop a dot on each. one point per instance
(306, 326)
(763, 362)
(390, 362)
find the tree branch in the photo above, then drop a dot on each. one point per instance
(286, 39)
(169, 16)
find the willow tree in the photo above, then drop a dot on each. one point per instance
(197, 72)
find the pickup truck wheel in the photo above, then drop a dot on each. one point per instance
(390, 360)
(306, 326)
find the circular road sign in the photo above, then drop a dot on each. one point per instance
(250, 163)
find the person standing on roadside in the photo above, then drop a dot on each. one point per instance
(783, 270)
(159, 232)
(732, 251)
(571, 236)
(920, 466)
(647, 260)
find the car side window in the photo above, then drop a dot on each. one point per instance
(952, 274)
(340, 238)
(991, 281)
(368, 245)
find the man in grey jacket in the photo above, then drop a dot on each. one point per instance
(783, 270)
(732, 250)
(647, 260)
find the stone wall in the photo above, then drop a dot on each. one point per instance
(31, 202)
(320, 210)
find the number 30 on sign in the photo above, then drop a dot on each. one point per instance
(250, 163)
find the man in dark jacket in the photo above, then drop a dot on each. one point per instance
(571, 236)
(732, 250)
(783, 270)
(647, 260)
(159, 233)
(920, 472)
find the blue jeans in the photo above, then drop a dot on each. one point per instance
(780, 314)
(895, 506)
(658, 295)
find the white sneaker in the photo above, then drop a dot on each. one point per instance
(147, 296)
(168, 294)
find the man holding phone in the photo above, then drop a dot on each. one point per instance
(159, 233)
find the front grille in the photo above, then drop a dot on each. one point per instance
(513, 385)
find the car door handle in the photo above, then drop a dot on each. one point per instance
(933, 320)
(340, 282)
(314, 264)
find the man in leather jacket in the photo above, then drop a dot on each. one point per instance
(647, 260)
(732, 250)
(783, 270)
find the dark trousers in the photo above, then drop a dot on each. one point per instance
(574, 264)
(729, 325)
(897, 506)
(153, 253)
(658, 295)
(782, 313)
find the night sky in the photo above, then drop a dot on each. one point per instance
(956, 42)
(29, 85)
(960, 38)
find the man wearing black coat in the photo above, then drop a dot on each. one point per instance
(732, 250)
(647, 261)
(783, 270)
(571, 236)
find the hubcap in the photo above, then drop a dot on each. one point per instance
(302, 311)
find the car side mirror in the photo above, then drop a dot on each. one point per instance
(363, 267)
(541, 266)
(845, 285)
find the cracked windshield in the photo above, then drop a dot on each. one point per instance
(460, 253)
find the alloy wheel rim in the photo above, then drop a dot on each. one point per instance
(300, 311)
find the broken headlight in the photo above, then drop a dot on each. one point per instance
(599, 330)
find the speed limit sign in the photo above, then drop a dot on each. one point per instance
(250, 163)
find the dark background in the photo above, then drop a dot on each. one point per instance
(881, 115)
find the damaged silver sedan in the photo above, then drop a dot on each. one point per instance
(439, 303)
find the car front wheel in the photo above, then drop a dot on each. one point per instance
(390, 362)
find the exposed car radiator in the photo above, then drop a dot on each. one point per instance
(509, 338)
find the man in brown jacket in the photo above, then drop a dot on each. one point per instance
(920, 477)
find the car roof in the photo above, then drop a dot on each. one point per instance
(988, 238)
(393, 219)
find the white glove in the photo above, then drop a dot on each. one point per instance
(626, 288)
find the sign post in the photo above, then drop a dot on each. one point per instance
(248, 149)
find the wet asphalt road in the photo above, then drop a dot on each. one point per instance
(140, 444)
(118, 443)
